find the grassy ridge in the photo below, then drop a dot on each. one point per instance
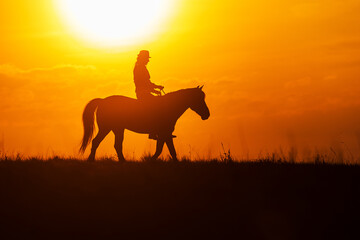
(187, 199)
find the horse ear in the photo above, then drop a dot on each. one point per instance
(198, 86)
(201, 87)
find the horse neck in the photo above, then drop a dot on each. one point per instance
(179, 102)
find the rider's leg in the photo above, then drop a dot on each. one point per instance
(146, 96)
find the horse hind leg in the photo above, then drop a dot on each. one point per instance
(119, 137)
(96, 142)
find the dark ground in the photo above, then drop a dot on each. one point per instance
(70, 199)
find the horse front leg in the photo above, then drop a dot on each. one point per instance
(171, 147)
(159, 148)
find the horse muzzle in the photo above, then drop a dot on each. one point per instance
(205, 117)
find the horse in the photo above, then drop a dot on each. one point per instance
(156, 115)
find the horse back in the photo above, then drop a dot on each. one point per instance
(117, 103)
(129, 113)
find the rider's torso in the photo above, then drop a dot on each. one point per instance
(142, 79)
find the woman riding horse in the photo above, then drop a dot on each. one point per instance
(143, 86)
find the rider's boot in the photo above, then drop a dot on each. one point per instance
(153, 136)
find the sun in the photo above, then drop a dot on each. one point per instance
(112, 23)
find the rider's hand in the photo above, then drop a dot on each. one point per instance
(157, 92)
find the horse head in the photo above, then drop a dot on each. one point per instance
(198, 104)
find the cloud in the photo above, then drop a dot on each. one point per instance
(52, 88)
(42, 107)
(14, 71)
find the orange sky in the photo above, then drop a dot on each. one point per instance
(277, 75)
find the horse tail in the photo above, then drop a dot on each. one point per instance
(89, 122)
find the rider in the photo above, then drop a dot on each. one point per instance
(144, 87)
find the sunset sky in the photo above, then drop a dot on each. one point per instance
(278, 75)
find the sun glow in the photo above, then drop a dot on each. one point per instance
(112, 23)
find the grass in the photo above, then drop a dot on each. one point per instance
(266, 199)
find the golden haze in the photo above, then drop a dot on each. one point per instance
(278, 76)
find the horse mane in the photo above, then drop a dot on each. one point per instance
(179, 92)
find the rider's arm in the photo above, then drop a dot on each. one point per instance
(156, 86)
(156, 92)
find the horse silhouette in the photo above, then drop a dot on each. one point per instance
(154, 115)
